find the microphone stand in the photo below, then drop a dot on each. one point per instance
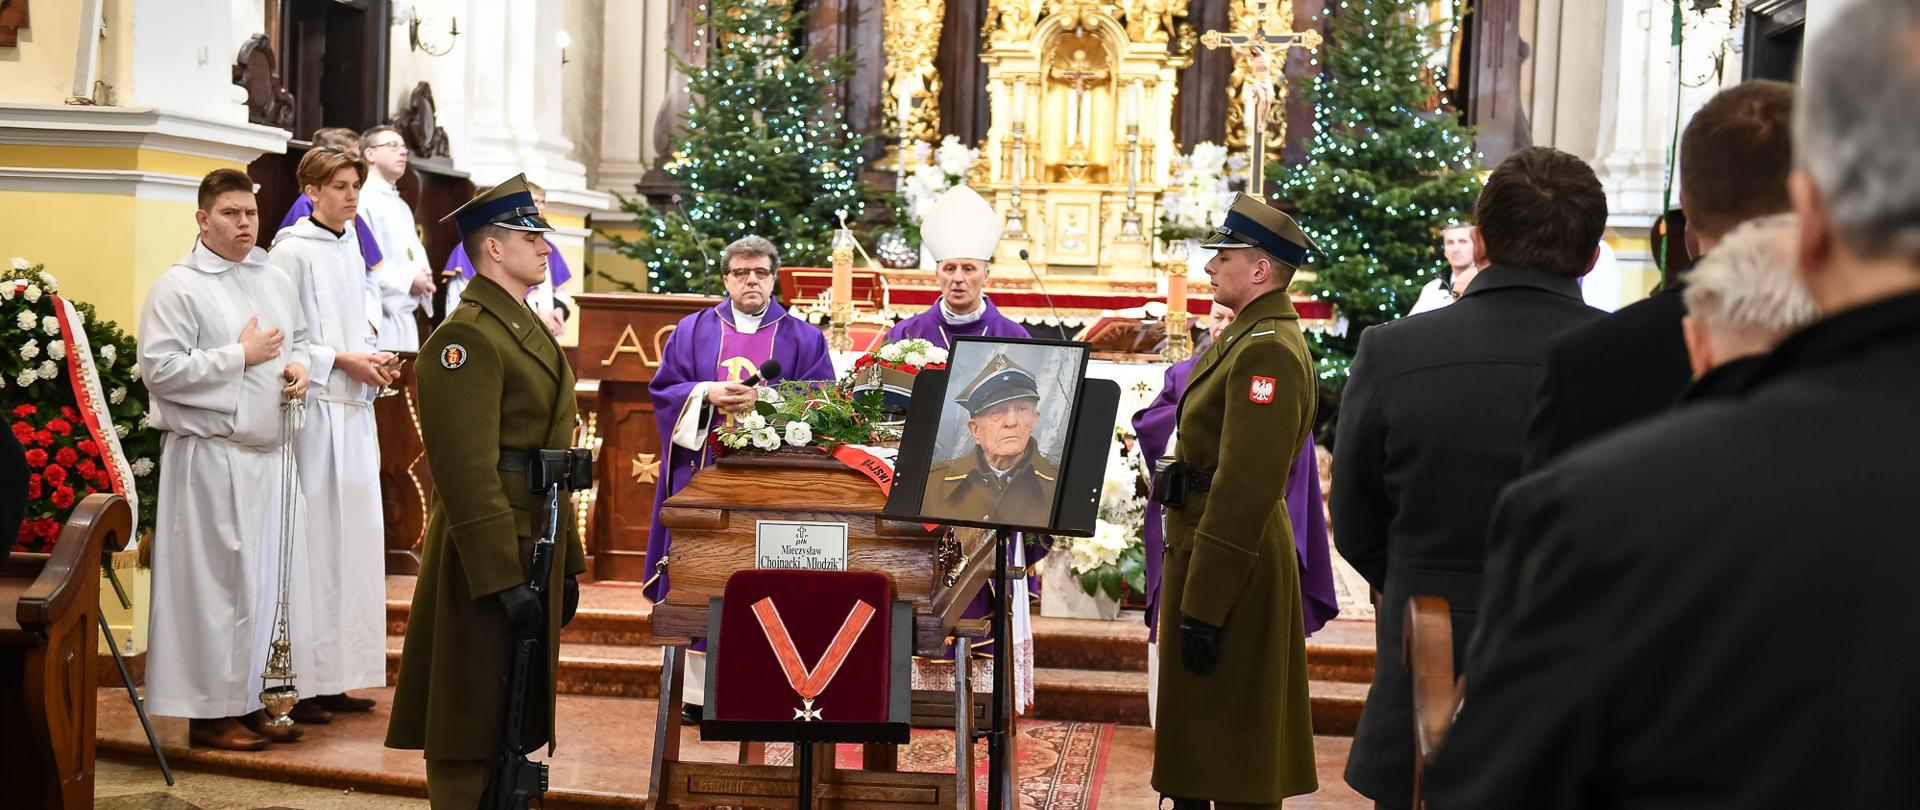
(1042, 284)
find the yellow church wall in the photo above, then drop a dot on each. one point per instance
(64, 231)
(41, 69)
(108, 157)
(603, 258)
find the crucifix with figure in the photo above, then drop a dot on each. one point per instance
(1269, 34)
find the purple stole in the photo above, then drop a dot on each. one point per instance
(741, 354)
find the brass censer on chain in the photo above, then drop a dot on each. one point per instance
(277, 692)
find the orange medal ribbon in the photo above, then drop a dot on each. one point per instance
(810, 683)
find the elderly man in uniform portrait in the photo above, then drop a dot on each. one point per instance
(1235, 727)
(1003, 477)
(494, 386)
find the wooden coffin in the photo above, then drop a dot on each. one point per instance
(714, 519)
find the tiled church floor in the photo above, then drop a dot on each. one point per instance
(602, 761)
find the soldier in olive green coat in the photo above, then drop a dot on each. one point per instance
(493, 383)
(1234, 724)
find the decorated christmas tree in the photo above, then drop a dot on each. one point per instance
(1388, 166)
(764, 151)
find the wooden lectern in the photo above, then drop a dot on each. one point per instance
(621, 338)
(49, 630)
(717, 521)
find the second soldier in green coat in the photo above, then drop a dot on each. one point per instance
(493, 385)
(1235, 727)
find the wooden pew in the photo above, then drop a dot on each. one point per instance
(1436, 692)
(49, 630)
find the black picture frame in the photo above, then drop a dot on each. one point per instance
(1077, 425)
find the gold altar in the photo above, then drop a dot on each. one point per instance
(1082, 141)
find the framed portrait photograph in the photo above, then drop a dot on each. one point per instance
(992, 441)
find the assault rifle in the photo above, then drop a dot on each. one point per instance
(516, 782)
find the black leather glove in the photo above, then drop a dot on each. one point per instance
(524, 614)
(569, 600)
(1199, 645)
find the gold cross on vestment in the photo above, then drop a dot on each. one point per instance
(1269, 34)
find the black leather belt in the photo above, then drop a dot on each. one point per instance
(1199, 480)
(515, 460)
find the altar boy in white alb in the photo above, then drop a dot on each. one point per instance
(222, 346)
(339, 452)
(404, 282)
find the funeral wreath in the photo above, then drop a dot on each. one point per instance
(74, 400)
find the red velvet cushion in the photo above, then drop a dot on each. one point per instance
(750, 683)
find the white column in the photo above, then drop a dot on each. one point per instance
(623, 131)
(182, 59)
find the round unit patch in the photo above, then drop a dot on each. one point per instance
(453, 356)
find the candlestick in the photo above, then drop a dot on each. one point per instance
(840, 305)
(1178, 344)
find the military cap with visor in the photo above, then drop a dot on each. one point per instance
(1002, 380)
(1252, 223)
(508, 205)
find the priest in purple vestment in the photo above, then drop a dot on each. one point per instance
(962, 232)
(700, 383)
(1154, 425)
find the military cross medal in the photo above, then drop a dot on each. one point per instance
(810, 683)
(1268, 32)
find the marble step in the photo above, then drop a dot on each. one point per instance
(614, 615)
(1087, 695)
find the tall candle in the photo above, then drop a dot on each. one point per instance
(842, 267)
(1019, 101)
(1139, 101)
(1177, 290)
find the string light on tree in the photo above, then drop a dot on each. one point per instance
(764, 149)
(1385, 170)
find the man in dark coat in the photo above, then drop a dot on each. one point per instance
(1709, 610)
(493, 385)
(1431, 426)
(1633, 364)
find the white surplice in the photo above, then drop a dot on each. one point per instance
(217, 535)
(402, 257)
(339, 455)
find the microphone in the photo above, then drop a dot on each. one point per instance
(1043, 288)
(767, 371)
(706, 276)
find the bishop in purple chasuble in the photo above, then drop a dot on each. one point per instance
(705, 347)
(940, 328)
(1154, 425)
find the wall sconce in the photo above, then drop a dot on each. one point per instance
(565, 41)
(410, 17)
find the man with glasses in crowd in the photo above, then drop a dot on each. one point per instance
(692, 392)
(405, 279)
